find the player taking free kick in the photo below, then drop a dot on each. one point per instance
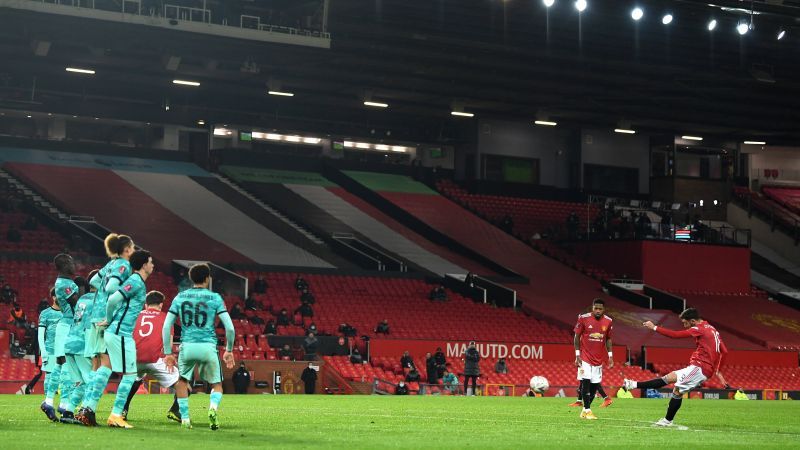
(703, 364)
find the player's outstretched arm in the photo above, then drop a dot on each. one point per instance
(113, 302)
(667, 332)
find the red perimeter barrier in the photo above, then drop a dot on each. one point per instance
(661, 355)
(508, 350)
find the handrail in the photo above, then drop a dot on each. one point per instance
(331, 372)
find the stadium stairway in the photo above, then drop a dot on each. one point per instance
(310, 199)
(217, 218)
(374, 230)
(401, 230)
(162, 225)
(111, 200)
(294, 235)
(555, 292)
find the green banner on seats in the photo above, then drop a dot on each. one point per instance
(383, 182)
(256, 175)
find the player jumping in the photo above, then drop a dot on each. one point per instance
(197, 309)
(592, 348)
(147, 335)
(703, 364)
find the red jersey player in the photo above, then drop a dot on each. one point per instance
(592, 349)
(147, 335)
(703, 364)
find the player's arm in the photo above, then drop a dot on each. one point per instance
(96, 281)
(112, 285)
(667, 332)
(609, 348)
(166, 332)
(41, 336)
(166, 338)
(113, 302)
(230, 335)
(577, 342)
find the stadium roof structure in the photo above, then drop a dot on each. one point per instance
(506, 60)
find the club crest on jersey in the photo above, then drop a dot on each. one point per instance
(121, 269)
(127, 288)
(604, 328)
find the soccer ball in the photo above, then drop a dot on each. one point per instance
(539, 384)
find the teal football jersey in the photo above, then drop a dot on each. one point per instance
(134, 293)
(197, 310)
(77, 336)
(118, 268)
(48, 319)
(65, 288)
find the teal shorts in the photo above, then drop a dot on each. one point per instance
(50, 365)
(62, 334)
(95, 344)
(202, 356)
(80, 367)
(121, 352)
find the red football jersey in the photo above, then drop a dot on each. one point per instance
(593, 334)
(147, 335)
(710, 348)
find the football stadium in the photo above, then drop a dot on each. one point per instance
(399, 223)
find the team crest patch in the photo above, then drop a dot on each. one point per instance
(604, 328)
(121, 269)
(127, 288)
(68, 291)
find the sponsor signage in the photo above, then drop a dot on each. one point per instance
(491, 350)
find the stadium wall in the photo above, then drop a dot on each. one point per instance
(618, 150)
(508, 350)
(551, 147)
(673, 265)
(261, 371)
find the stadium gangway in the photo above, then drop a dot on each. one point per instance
(226, 281)
(367, 254)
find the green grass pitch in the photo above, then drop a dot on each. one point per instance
(262, 421)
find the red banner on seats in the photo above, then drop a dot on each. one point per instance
(492, 350)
